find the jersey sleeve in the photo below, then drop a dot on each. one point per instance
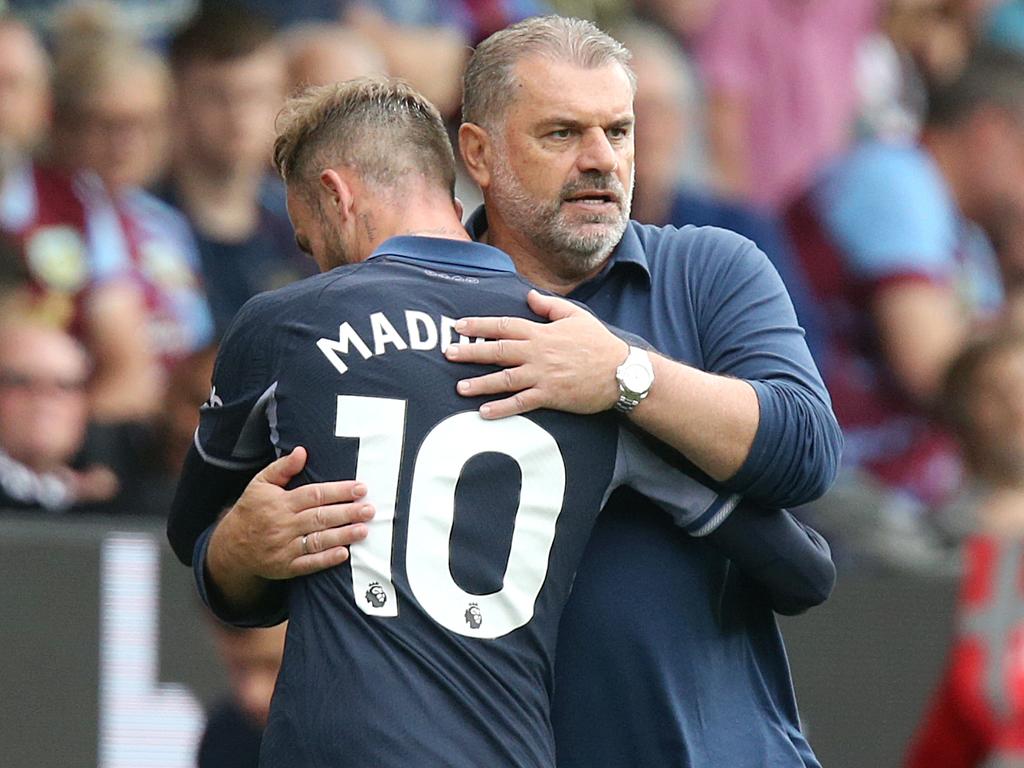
(236, 424)
(696, 508)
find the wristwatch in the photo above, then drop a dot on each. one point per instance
(635, 377)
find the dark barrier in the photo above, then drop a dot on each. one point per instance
(105, 661)
(865, 663)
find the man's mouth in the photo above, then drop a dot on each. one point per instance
(595, 198)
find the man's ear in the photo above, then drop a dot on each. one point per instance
(339, 193)
(477, 149)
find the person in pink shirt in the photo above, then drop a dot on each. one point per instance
(781, 89)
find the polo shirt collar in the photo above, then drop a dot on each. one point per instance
(629, 251)
(444, 252)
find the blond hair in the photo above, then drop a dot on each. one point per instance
(380, 126)
(489, 83)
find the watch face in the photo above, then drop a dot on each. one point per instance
(635, 378)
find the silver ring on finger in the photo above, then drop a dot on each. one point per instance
(305, 546)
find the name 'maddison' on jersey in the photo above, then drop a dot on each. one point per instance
(433, 645)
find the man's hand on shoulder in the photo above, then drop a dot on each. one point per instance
(567, 364)
(272, 533)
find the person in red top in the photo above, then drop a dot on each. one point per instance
(976, 717)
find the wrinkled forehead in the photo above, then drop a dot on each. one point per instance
(545, 88)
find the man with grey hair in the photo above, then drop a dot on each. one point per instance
(455, 610)
(690, 670)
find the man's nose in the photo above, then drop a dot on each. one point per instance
(597, 153)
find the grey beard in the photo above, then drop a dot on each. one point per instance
(573, 254)
(569, 253)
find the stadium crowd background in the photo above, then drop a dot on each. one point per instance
(874, 149)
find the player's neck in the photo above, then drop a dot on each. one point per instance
(428, 216)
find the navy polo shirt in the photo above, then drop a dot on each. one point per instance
(667, 656)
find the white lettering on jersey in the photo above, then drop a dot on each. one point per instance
(421, 330)
(439, 463)
(379, 423)
(334, 349)
(414, 321)
(384, 333)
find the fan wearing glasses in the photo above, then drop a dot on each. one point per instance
(44, 410)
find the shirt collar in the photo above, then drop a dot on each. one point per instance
(445, 252)
(629, 251)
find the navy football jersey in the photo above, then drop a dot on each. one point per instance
(433, 645)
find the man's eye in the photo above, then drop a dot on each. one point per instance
(561, 133)
(618, 133)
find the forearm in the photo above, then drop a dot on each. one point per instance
(710, 419)
(230, 589)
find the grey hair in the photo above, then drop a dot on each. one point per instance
(489, 83)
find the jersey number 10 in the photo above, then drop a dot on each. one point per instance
(379, 424)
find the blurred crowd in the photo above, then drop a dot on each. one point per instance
(874, 149)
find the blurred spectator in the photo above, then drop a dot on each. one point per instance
(781, 90)
(327, 53)
(24, 112)
(54, 234)
(235, 726)
(43, 416)
(24, 90)
(684, 18)
(111, 102)
(976, 717)
(890, 89)
(229, 73)
(15, 289)
(150, 462)
(607, 14)
(889, 241)
(666, 114)
(937, 34)
(423, 41)
(429, 54)
(1000, 22)
(145, 19)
